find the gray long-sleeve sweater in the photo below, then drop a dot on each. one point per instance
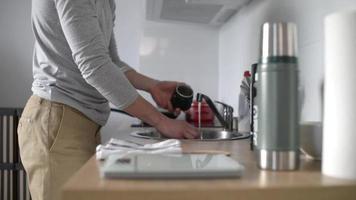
(75, 58)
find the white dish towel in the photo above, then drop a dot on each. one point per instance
(123, 147)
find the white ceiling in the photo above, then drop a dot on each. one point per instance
(208, 12)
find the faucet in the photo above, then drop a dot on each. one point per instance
(226, 120)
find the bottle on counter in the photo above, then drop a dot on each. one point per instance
(244, 103)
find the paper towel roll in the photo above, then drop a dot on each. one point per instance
(339, 140)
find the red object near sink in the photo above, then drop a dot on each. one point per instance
(207, 115)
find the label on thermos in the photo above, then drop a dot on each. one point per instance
(255, 124)
(254, 109)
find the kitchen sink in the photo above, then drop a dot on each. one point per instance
(207, 134)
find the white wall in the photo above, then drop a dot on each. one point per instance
(129, 29)
(239, 44)
(167, 51)
(187, 53)
(180, 52)
(16, 43)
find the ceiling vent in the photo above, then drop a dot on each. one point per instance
(209, 12)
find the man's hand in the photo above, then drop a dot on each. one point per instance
(177, 129)
(162, 92)
(168, 127)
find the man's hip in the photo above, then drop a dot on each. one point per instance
(55, 140)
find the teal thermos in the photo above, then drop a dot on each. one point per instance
(276, 134)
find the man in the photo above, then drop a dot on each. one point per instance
(76, 72)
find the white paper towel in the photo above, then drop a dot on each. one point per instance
(339, 139)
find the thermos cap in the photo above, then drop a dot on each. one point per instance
(278, 39)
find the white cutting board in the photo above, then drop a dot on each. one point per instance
(171, 166)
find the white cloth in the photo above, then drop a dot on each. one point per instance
(123, 147)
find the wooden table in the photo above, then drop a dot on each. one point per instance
(307, 183)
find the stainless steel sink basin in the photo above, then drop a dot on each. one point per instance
(209, 134)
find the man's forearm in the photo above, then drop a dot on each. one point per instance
(143, 110)
(140, 81)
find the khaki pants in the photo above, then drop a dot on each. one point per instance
(55, 140)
